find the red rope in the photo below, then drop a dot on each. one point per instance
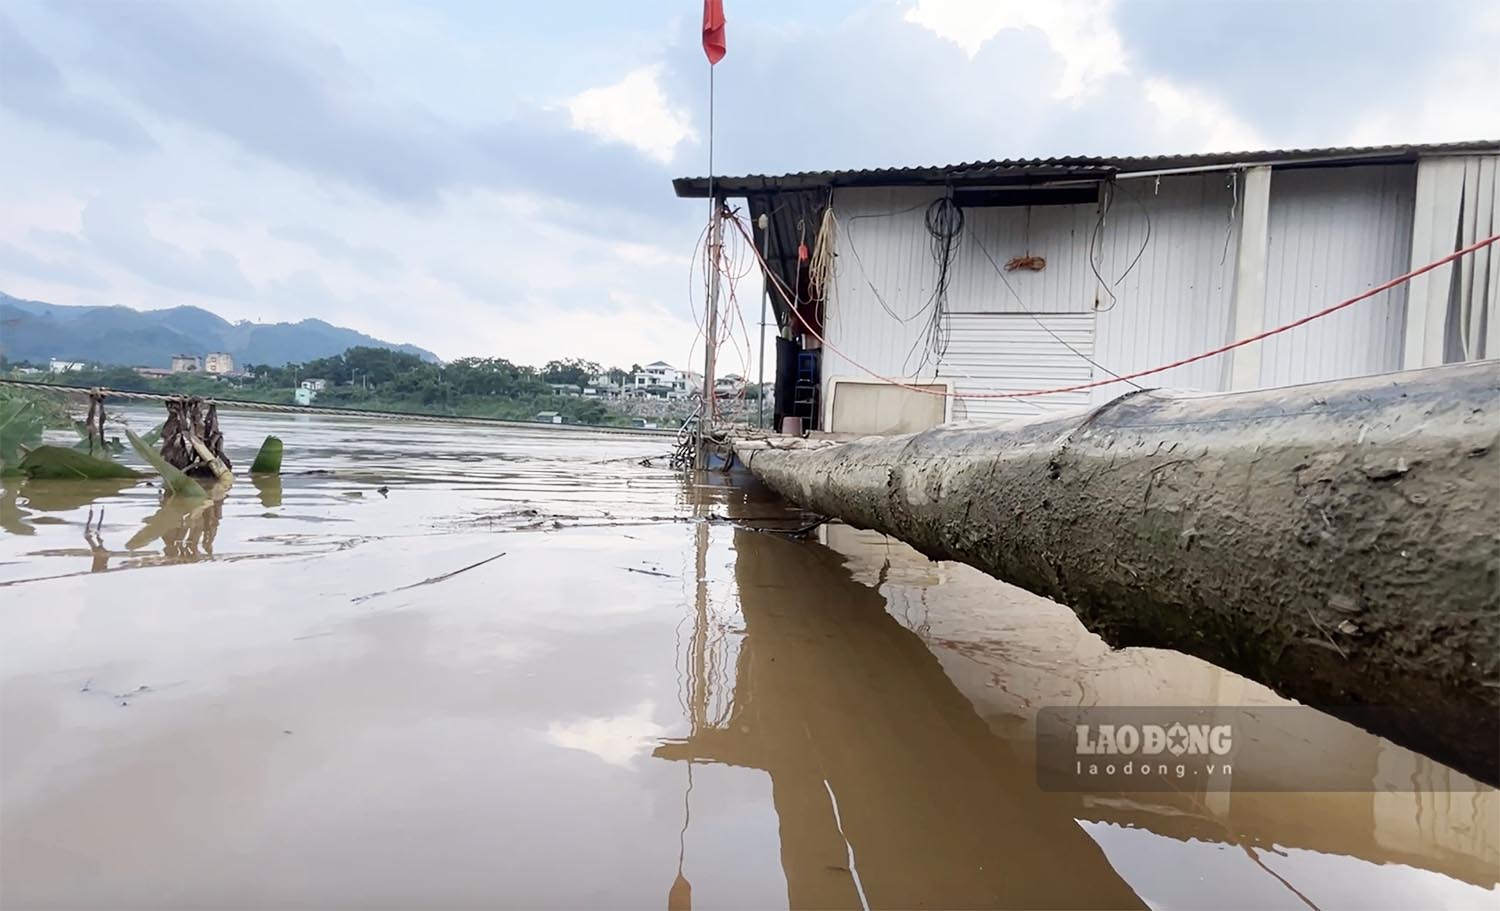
(781, 289)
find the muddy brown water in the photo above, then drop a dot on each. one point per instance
(449, 667)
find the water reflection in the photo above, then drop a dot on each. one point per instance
(893, 791)
(186, 529)
(873, 754)
(269, 488)
(12, 516)
(95, 542)
(21, 499)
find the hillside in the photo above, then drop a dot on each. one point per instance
(37, 331)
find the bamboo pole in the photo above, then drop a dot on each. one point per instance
(1336, 541)
(220, 470)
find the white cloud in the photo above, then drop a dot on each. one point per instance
(635, 112)
(1212, 126)
(617, 739)
(1078, 31)
(1459, 97)
(1083, 35)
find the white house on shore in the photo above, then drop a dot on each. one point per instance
(661, 380)
(1034, 274)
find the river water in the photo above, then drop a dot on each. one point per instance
(456, 667)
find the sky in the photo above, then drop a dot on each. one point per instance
(493, 178)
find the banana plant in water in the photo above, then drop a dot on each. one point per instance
(176, 482)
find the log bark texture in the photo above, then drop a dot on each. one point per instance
(1338, 542)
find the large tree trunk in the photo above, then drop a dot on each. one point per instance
(1339, 542)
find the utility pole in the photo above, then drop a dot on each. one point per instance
(711, 332)
(715, 238)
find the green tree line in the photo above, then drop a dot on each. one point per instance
(381, 379)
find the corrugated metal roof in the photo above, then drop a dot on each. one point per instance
(1023, 170)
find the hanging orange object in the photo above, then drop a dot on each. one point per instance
(802, 253)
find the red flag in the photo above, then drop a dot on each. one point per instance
(713, 30)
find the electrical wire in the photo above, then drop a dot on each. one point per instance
(1106, 200)
(945, 224)
(1234, 203)
(1145, 241)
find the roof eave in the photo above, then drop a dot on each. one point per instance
(1023, 171)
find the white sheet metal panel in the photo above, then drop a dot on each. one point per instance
(1335, 232)
(1453, 312)
(883, 255)
(885, 274)
(1165, 250)
(1011, 352)
(1181, 234)
(1058, 234)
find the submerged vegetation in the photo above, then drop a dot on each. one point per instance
(173, 478)
(23, 417)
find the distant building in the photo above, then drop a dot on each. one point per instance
(600, 384)
(187, 363)
(315, 385)
(218, 362)
(548, 417)
(565, 389)
(303, 395)
(729, 385)
(152, 372)
(57, 366)
(661, 380)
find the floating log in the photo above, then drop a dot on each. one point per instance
(1335, 541)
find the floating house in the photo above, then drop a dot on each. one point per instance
(995, 277)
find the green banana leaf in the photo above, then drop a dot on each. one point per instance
(268, 460)
(59, 463)
(176, 482)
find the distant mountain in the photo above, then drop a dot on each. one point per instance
(36, 331)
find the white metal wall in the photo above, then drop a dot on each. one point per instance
(1011, 352)
(1333, 233)
(1174, 302)
(1453, 312)
(1165, 252)
(1165, 255)
(883, 255)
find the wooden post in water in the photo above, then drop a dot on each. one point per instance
(1335, 541)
